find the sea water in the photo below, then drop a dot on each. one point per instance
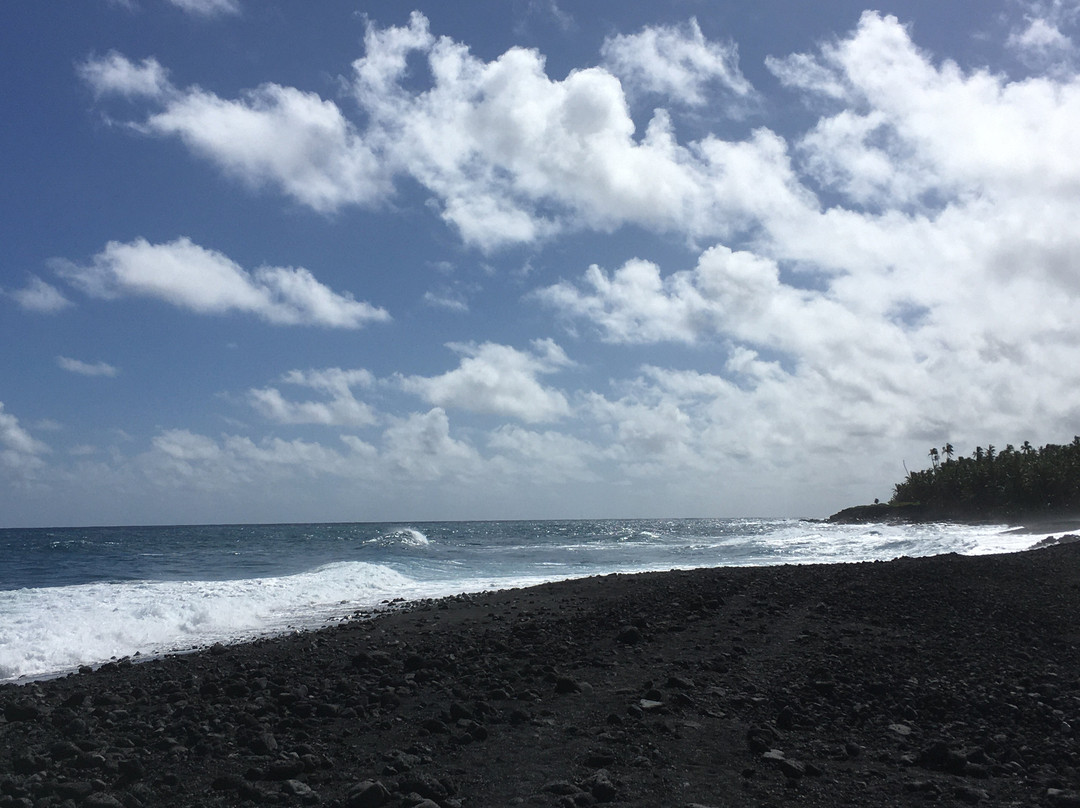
(82, 596)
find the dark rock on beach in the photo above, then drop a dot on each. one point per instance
(946, 681)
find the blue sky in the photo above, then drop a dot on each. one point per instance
(288, 261)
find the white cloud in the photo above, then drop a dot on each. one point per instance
(912, 130)
(1041, 36)
(901, 273)
(40, 296)
(86, 368)
(281, 136)
(498, 379)
(341, 408)
(511, 155)
(206, 281)
(446, 298)
(420, 447)
(1041, 43)
(549, 456)
(728, 294)
(630, 306)
(115, 74)
(415, 449)
(19, 450)
(677, 62)
(208, 8)
(179, 458)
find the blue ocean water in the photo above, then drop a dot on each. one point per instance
(75, 596)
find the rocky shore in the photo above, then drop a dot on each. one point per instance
(941, 681)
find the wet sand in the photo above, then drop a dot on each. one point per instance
(939, 682)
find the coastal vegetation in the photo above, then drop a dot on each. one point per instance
(989, 484)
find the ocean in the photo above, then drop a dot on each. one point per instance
(84, 596)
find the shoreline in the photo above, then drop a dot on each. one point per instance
(952, 679)
(326, 616)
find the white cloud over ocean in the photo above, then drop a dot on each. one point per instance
(20, 452)
(498, 379)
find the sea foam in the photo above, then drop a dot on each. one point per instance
(50, 630)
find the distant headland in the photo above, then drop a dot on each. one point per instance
(1030, 486)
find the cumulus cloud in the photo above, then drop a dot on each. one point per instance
(189, 276)
(1041, 36)
(86, 368)
(931, 300)
(498, 379)
(676, 62)
(1041, 42)
(340, 408)
(511, 155)
(279, 136)
(115, 74)
(420, 447)
(733, 294)
(911, 130)
(41, 297)
(901, 272)
(19, 450)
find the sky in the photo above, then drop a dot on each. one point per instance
(282, 261)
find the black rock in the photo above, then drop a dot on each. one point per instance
(1061, 798)
(77, 791)
(427, 786)
(565, 684)
(598, 758)
(367, 794)
(761, 739)
(23, 710)
(101, 800)
(601, 787)
(971, 796)
(264, 744)
(29, 763)
(64, 750)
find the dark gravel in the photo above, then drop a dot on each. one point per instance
(937, 682)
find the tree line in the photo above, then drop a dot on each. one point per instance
(1012, 480)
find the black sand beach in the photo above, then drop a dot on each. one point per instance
(940, 681)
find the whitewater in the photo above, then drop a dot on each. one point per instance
(71, 597)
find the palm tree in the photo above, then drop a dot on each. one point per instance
(1026, 481)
